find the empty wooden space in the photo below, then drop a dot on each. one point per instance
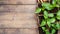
(18, 31)
(17, 1)
(18, 17)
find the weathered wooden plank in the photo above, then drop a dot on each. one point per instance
(18, 8)
(6, 16)
(21, 31)
(17, 16)
(17, 1)
(2, 31)
(18, 20)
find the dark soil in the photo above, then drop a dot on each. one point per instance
(41, 31)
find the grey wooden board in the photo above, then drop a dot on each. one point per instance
(18, 8)
(18, 31)
(17, 1)
(18, 16)
(20, 20)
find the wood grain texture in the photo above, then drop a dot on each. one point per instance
(18, 8)
(18, 20)
(2, 31)
(18, 16)
(18, 31)
(21, 31)
(17, 1)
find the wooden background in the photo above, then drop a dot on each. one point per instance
(18, 17)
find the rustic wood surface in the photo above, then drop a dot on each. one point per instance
(18, 17)
(17, 1)
(18, 31)
(17, 8)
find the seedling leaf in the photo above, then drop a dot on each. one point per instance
(45, 14)
(38, 10)
(43, 23)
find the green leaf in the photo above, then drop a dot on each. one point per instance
(54, 1)
(48, 6)
(47, 32)
(57, 6)
(45, 14)
(54, 26)
(48, 23)
(38, 10)
(53, 31)
(58, 1)
(43, 23)
(51, 15)
(58, 15)
(58, 25)
(42, 8)
(43, 28)
(52, 20)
